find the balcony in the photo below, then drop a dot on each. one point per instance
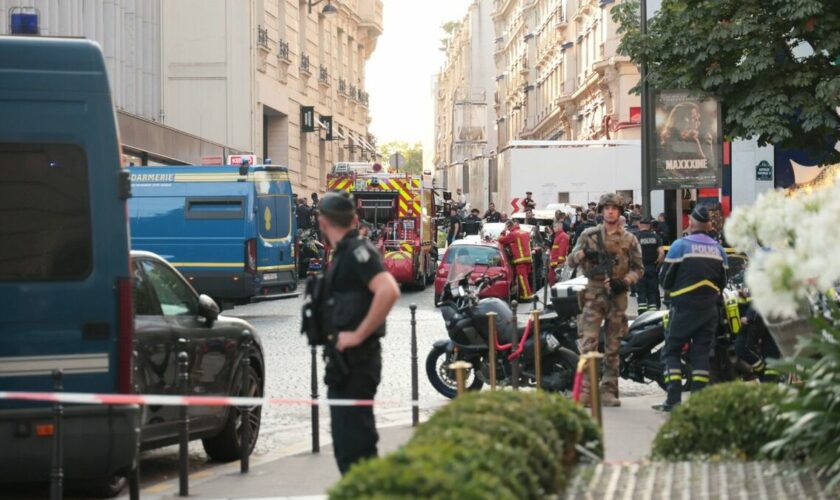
(304, 64)
(283, 51)
(323, 75)
(342, 86)
(351, 92)
(262, 38)
(364, 98)
(370, 13)
(560, 22)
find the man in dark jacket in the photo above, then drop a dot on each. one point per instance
(693, 275)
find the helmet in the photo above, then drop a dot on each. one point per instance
(609, 199)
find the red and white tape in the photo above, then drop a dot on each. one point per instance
(163, 400)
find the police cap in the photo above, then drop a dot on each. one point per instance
(338, 208)
(700, 214)
(646, 221)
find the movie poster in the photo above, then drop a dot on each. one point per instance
(688, 141)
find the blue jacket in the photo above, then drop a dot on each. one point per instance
(694, 271)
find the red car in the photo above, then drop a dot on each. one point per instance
(483, 256)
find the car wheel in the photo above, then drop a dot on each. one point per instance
(224, 447)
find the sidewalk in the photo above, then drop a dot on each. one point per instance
(629, 431)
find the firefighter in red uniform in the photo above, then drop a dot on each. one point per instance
(518, 242)
(559, 251)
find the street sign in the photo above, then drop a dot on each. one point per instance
(397, 160)
(764, 171)
(237, 159)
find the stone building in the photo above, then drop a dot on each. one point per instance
(465, 138)
(559, 75)
(193, 79)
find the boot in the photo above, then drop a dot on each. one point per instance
(674, 396)
(609, 393)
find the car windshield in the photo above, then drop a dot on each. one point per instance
(466, 259)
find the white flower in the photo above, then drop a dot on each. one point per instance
(772, 280)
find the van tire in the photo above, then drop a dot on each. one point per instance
(224, 447)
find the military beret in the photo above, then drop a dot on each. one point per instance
(337, 203)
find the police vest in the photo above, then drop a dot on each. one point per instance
(650, 243)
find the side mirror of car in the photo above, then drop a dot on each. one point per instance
(208, 309)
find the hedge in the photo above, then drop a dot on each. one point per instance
(499, 444)
(732, 420)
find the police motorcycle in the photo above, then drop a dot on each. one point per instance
(310, 253)
(466, 317)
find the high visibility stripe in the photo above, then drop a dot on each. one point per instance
(524, 289)
(672, 378)
(399, 188)
(407, 247)
(417, 208)
(697, 378)
(695, 286)
(523, 260)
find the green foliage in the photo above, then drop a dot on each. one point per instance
(811, 413)
(483, 445)
(743, 52)
(413, 154)
(731, 420)
(449, 28)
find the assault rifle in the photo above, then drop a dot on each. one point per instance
(604, 262)
(315, 322)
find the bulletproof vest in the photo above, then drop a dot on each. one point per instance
(348, 304)
(650, 246)
(472, 225)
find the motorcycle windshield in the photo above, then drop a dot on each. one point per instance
(471, 261)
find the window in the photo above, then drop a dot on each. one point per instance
(563, 197)
(45, 221)
(221, 207)
(176, 297)
(145, 303)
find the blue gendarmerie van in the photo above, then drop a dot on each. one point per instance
(230, 230)
(65, 293)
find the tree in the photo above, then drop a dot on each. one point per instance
(413, 154)
(773, 64)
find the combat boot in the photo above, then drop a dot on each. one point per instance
(609, 392)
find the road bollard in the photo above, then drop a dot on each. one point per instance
(184, 437)
(594, 386)
(535, 325)
(245, 411)
(316, 427)
(57, 472)
(535, 299)
(546, 271)
(415, 383)
(514, 345)
(491, 348)
(459, 367)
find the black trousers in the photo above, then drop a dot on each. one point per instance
(648, 288)
(697, 327)
(353, 427)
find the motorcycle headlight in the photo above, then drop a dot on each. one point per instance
(461, 292)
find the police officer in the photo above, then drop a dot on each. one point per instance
(652, 255)
(693, 275)
(472, 224)
(359, 294)
(612, 260)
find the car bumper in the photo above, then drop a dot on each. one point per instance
(242, 287)
(99, 441)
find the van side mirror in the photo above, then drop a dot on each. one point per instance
(208, 309)
(243, 167)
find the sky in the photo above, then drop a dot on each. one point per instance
(401, 69)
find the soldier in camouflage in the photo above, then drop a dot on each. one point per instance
(612, 260)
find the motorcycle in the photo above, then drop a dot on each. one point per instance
(466, 319)
(640, 350)
(310, 255)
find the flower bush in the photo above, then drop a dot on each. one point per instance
(793, 274)
(791, 241)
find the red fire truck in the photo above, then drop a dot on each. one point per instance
(400, 209)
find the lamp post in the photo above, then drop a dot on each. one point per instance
(327, 10)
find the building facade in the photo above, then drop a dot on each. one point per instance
(465, 119)
(296, 69)
(559, 74)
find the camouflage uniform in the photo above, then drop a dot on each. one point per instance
(601, 305)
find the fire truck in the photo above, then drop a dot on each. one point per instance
(400, 209)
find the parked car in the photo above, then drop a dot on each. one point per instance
(486, 256)
(170, 317)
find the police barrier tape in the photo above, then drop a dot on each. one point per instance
(163, 400)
